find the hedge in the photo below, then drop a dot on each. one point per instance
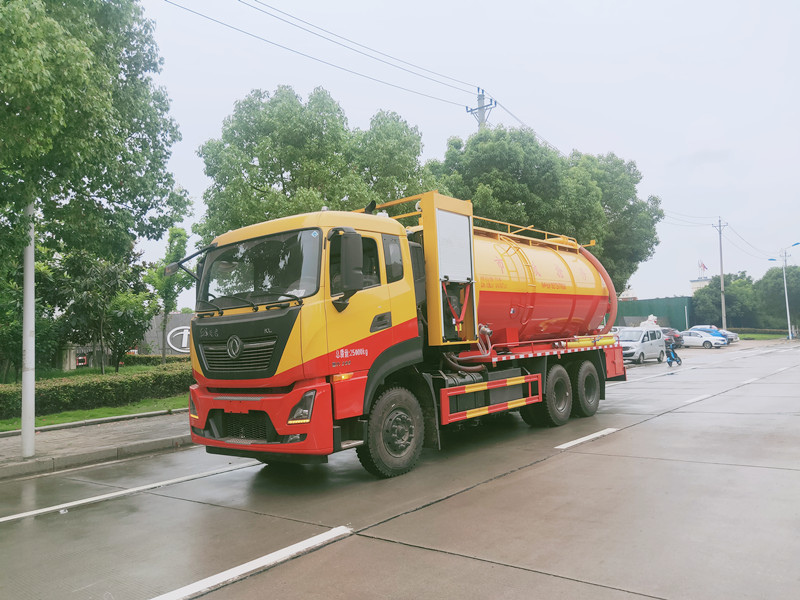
(93, 391)
(153, 360)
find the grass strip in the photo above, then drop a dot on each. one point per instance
(72, 416)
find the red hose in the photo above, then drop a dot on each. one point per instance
(612, 292)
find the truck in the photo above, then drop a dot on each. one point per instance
(332, 330)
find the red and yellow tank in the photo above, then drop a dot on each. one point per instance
(533, 289)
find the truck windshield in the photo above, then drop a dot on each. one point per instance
(262, 270)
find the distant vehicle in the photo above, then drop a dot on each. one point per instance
(695, 338)
(731, 336)
(640, 343)
(672, 336)
(711, 330)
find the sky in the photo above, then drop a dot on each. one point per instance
(704, 96)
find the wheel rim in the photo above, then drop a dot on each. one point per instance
(398, 432)
(561, 392)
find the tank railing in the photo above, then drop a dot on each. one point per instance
(547, 236)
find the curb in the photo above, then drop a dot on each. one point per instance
(155, 413)
(39, 466)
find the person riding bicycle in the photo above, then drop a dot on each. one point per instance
(672, 356)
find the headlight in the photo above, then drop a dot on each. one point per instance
(301, 412)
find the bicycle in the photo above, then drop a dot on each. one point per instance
(672, 356)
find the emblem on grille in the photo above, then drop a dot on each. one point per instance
(234, 346)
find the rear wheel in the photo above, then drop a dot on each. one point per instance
(395, 432)
(585, 389)
(661, 356)
(557, 405)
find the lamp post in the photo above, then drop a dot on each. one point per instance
(785, 255)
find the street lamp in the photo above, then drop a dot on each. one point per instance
(785, 255)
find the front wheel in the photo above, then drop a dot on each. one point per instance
(395, 432)
(661, 356)
(640, 360)
(706, 345)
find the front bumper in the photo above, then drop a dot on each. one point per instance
(250, 422)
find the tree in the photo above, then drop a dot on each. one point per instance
(277, 156)
(86, 136)
(129, 317)
(772, 297)
(741, 304)
(168, 288)
(93, 285)
(512, 177)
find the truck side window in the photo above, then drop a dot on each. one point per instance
(371, 266)
(393, 258)
(372, 270)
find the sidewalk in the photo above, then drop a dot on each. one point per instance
(62, 447)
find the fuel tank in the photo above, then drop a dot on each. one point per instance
(531, 289)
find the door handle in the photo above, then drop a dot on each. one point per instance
(380, 322)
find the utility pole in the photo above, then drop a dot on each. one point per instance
(719, 227)
(481, 112)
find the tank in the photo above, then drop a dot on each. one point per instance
(531, 289)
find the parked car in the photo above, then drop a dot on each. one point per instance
(695, 338)
(711, 330)
(672, 336)
(639, 344)
(731, 336)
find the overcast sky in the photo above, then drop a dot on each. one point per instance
(704, 96)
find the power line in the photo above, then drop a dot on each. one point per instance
(471, 85)
(766, 254)
(314, 58)
(386, 62)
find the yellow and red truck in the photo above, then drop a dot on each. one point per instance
(326, 331)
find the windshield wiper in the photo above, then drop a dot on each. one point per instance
(289, 295)
(245, 300)
(215, 306)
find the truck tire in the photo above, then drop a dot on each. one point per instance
(557, 405)
(395, 433)
(585, 389)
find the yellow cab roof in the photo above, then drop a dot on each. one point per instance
(324, 220)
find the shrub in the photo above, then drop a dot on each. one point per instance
(153, 360)
(93, 391)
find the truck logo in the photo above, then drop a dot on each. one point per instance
(234, 347)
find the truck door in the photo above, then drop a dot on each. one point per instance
(361, 331)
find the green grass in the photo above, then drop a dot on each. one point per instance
(72, 416)
(761, 336)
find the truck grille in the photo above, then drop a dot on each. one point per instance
(256, 355)
(254, 427)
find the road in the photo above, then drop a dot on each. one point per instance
(691, 491)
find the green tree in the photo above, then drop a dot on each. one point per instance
(741, 302)
(85, 132)
(512, 177)
(772, 297)
(278, 156)
(168, 288)
(92, 284)
(129, 317)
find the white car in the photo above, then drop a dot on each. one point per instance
(731, 336)
(640, 343)
(700, 339)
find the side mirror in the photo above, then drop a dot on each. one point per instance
(352, 264)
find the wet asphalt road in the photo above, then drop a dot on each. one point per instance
(694, 495)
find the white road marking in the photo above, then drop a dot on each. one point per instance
(703, 397)
(586, 439)
(225, 577)
(64, 508)
(745, 382)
